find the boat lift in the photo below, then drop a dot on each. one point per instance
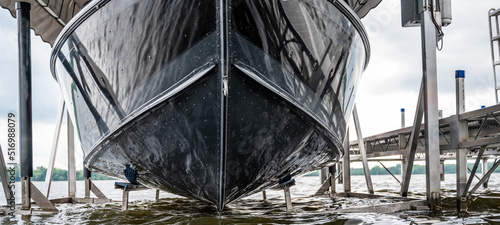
(474, 133)
(466, 135)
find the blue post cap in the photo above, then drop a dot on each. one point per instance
(459, 73)
(482, 107)
(402, 109)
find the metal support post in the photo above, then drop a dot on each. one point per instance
(323, 175)
(459, 133)
(340, 169)
(484, 169)
(362, 150)
(26, 193)
(125, 200)
(264, 195)
(333, 190)
(402, 143)
(53, 152)
(428, 30)
(403, 167)
(402, 117)
(288, 198)
(71, 159)
(157, 196)
(441, 170)
(25, 119)
(86, 175)
(346, 170)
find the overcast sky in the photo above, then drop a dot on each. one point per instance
(391, 81)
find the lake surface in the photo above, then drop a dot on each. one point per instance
(172, 209)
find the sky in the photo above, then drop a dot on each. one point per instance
(390, 82)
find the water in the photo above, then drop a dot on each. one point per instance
(172, 209)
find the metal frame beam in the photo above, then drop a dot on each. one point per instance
(4, 177)
(485, 177)
(53, 152)
(362, 150)
(417, 122)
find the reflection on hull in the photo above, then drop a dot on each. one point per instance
(212, 100)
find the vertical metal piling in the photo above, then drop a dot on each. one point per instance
(402, 144)
(484, 170)
(346, 165)
(441, 170)
(86, 175)
(340, 169)
(25, 117)
(125, 200)
(323, 175)
(332, 170)
(288, 198)
(71, 159)
(461, 134)
(428, 31)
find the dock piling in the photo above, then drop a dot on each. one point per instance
(25, 119)
(428, 31)
(346, 170)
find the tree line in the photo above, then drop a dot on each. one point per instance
(417, 169)
(40, 173)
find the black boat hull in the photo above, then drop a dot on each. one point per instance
(212, 100)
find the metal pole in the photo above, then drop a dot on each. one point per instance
(53, 152)
(288, 198)
(86, 175)
(401, 137)
(323, 175)
(402, 117)
(71, 159)
(428, 30)
(340, 171)
(441, 170)
(461, 156)
(332, 170)
(346, 170)
(25, 118)
(389, 172)
(362, 150)
(485, 168)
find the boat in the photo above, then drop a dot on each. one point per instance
(213, 100)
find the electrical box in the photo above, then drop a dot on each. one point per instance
(409, 13)
(410, 16)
